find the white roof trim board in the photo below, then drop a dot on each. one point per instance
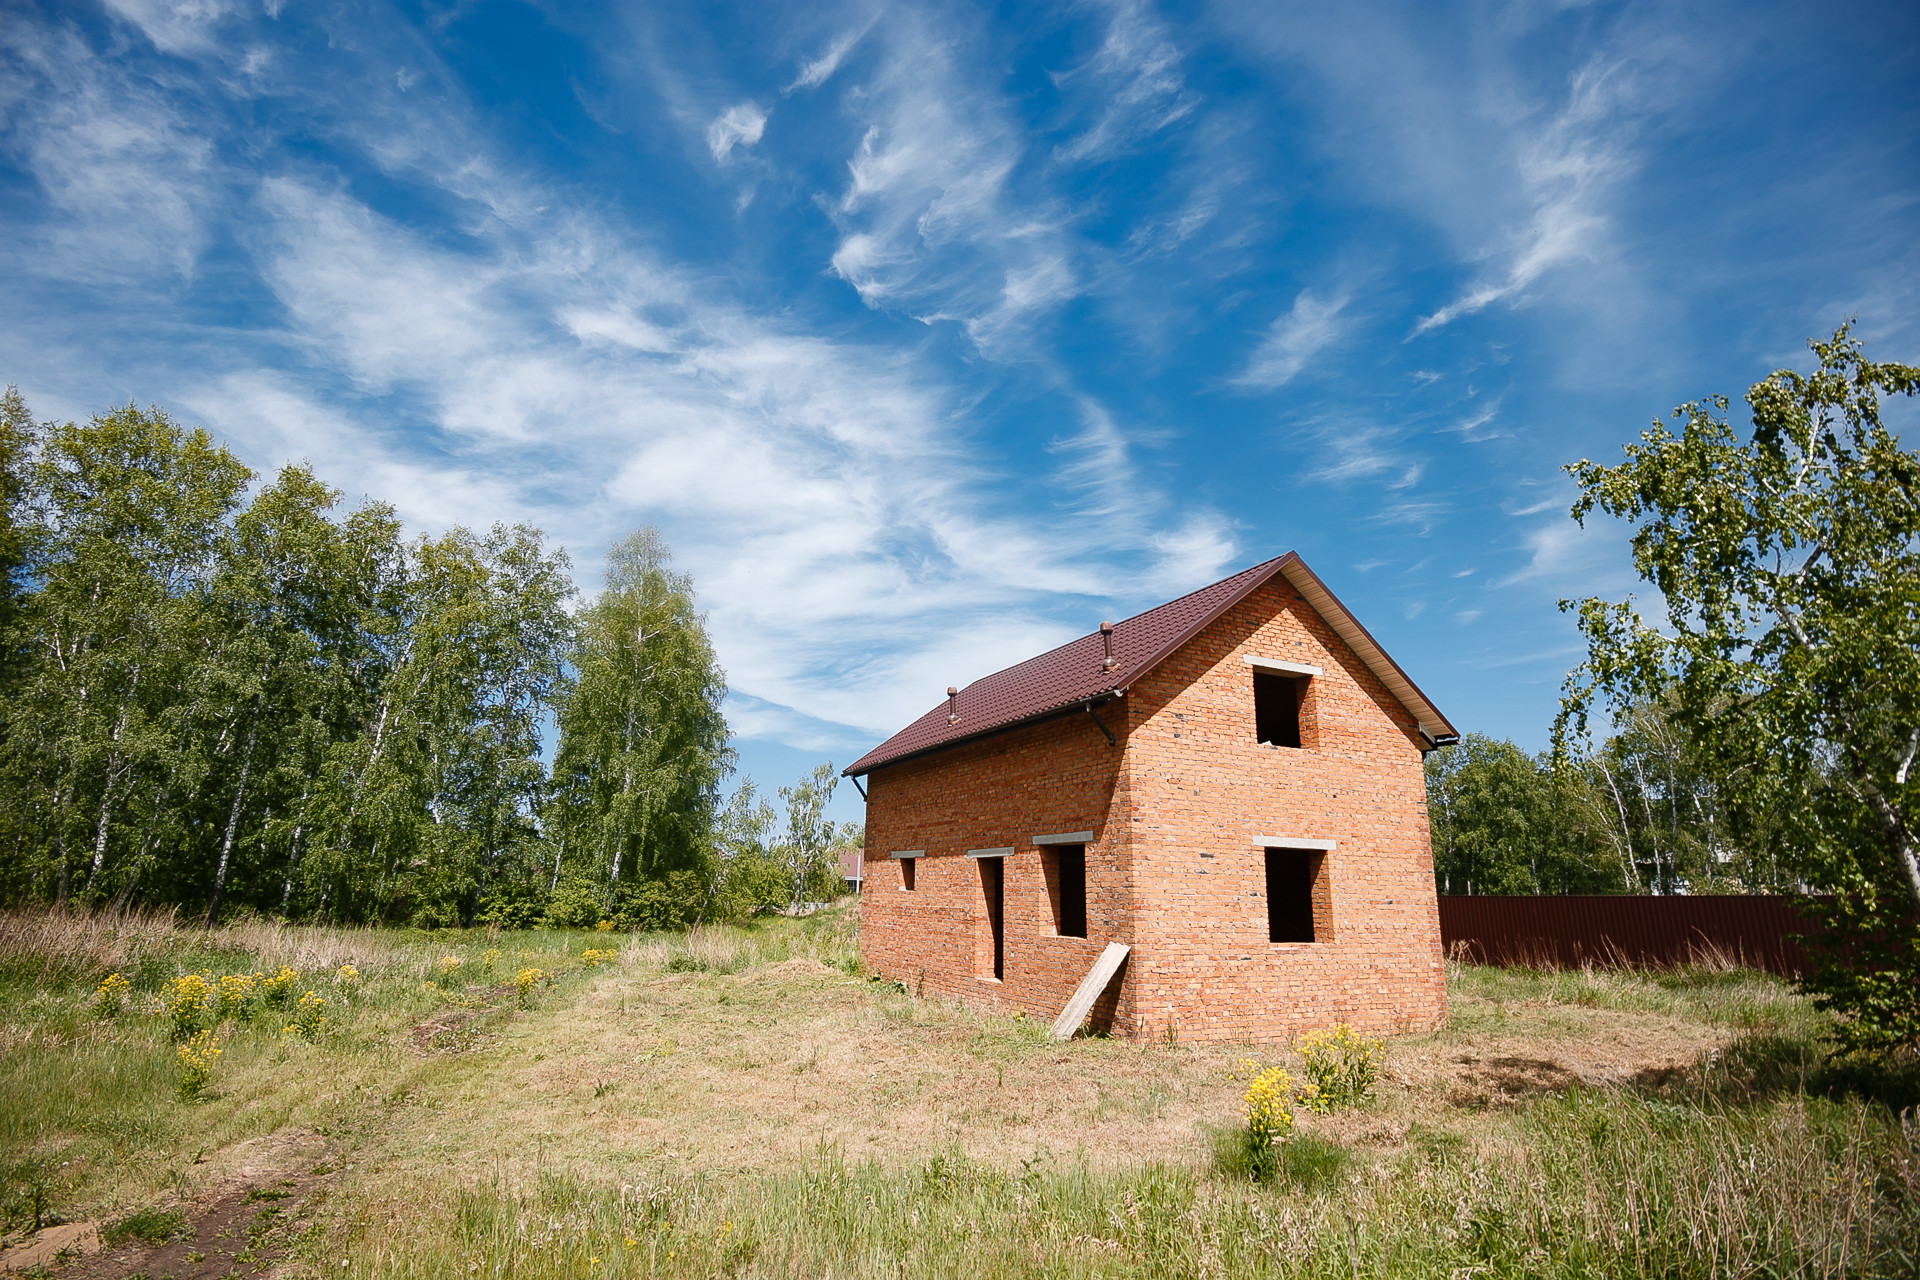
(1066, 837)
(1348, 628)
(1295, 842)
(1285, 668)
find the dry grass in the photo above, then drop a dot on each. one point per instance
(747, 1077)
(49, 945)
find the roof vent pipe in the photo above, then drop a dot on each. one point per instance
(1106, 635)
(953, 706)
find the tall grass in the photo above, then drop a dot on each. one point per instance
(1746, 1164)
(1607, 1185)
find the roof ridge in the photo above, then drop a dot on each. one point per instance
(1079, 669)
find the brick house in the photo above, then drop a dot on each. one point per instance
(1229, 786)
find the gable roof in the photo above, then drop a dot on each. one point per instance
(1071, 675)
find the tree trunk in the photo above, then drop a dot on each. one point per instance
(1625, 847)
(293, 848)
(233, 816)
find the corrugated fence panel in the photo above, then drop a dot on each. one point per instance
(1572, 931)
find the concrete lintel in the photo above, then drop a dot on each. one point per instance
(1295, 842)
(1066, 837)
(908, 853)
(1285, 668)
(990, 853)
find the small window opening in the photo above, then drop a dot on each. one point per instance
(1296, 895)
(906, 873)
(1066, 868)
(1276, 708)
(992, 884)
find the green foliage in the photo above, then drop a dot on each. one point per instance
(642, 741)
(146, 1226)
(574, 904)
(1642, 813)
(1788, 566)
(275, 704)
(1339, 1068)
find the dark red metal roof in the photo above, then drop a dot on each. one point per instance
(1071, 675)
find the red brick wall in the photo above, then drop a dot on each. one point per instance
(1203, 789)
(1172, 869)
(1058, 776)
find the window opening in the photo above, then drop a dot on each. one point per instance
(1293, 884)
(906, 873)
(992, 882)
(1276, 708)
(1066, 867)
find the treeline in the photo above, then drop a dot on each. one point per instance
(1642, 814)
(224, 697)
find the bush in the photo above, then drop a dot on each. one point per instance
(309, 1017)
(188, 1000)
(654, 906)
(574, 905)
(110, 997)
(196, 1059)
(1341, 1068)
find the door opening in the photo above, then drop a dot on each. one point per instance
(993, 885)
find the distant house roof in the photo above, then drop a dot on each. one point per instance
(1071, 675)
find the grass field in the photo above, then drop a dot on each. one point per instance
(744, 1102)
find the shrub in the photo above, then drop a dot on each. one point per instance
(110, 997)
(196, 1059)
(574, 905)
(188, 1000)
(1268, 1109)
(276, 991)
(524, 982)
(1341, 1068)
(233, 995)
(596, 958)
(309, 1017)
(449, 966)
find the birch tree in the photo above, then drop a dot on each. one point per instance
(642, 738)
(1788, 644)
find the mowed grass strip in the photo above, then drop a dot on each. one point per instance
(742, 1101)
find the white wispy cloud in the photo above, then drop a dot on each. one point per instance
(928, 223)
(1293, 339)
(1567, 171)
(1133, 83)
(817, 71)
(118, 159)
(854, 545)
(742, 125)
(175, 26)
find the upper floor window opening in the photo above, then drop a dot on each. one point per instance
(1279, 695)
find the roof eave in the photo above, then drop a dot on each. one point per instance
(863, 767)
(1432, 724)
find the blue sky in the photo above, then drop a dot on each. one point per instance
(933, 334)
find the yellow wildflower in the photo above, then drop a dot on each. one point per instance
(196, 1059)
(110, 996)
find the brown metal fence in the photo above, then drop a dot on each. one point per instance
(1568, 932)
